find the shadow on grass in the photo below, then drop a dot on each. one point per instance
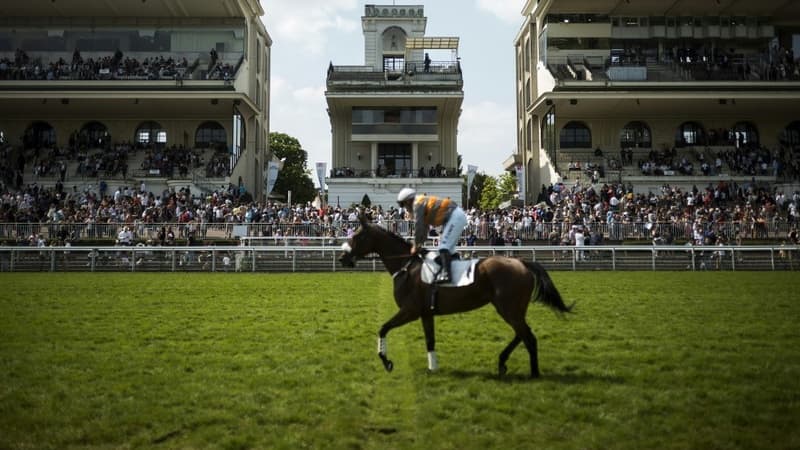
(561, 378)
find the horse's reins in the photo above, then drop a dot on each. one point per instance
(405, 266)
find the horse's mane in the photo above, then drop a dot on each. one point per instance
(390, 234)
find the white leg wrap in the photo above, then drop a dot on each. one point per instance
(382, 345)
(433, 362)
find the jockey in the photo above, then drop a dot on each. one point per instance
(435, 211)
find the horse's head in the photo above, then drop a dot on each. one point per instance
(358, 245)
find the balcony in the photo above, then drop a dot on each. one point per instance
(410, 75)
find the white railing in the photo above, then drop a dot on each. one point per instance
(210, 231)
(324, 258)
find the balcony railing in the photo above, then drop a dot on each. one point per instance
(408, 71)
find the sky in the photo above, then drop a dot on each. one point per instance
(309, 34)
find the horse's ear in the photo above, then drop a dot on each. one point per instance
(362, 218)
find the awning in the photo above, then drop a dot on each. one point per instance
(432, 43)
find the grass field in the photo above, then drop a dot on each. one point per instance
(649, 361)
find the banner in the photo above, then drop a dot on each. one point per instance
(321, 169)
(521, 181)
(471, 171)
(273, 168)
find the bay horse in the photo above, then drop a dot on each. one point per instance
(509, 284)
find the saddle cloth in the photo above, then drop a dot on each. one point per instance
(462, 270)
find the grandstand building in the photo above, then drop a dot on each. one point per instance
(654, 92)
(394, 119)
(171, 92)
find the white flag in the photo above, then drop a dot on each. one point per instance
(321, 168)
(273, 168)
(521, 181)
(471, 171)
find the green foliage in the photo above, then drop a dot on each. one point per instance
(490, 195)
(488, 192)
(477, 187)
(295, 175)
(507, 185)
(667, 361)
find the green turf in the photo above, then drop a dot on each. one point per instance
(649, 361)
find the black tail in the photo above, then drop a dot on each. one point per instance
(546, 291)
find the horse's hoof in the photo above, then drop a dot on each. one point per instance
(502, 369)
(535, 375)
(388, 365)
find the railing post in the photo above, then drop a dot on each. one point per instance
(613, 259)
(52, 259)
(252, 259)
(574, 257)
(213, 260)
(653, 258)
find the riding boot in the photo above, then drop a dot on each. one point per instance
(444, 272)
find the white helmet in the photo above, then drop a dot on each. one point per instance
(405, 194)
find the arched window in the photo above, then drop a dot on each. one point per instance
(745, 133)
(791, 134)
(94, 134)
(635, 135)
(210, 135)
(39, 134)
(394, 44)
(575, 135)
(150, 133)
(690, 133)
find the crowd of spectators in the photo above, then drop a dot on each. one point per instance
(218, 165)
(172, 161)
(748, 160)
(109, 160)
(111, 67)
(107, 163)
(775, 63)
(705, 215)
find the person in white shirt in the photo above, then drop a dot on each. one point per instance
(125, 236)
(580, 242)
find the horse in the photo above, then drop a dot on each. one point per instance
(509, 284)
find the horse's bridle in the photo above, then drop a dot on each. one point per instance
(406, 265)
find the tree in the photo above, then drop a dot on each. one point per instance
(507, 186)
(489, 194)
(475, 191)
(294, 176)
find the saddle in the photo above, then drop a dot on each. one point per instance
(462, 271)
